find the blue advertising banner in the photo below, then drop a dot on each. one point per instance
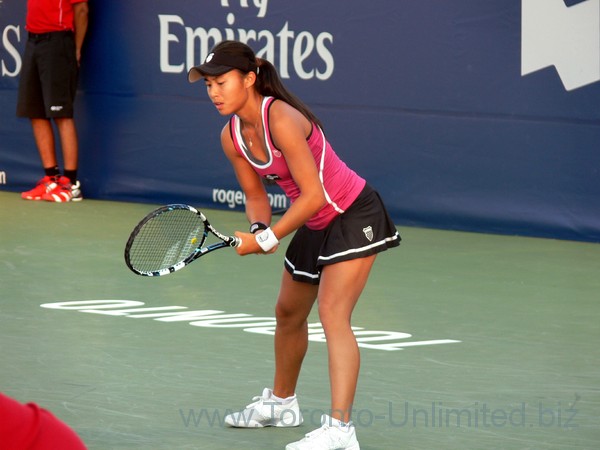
(464, 114)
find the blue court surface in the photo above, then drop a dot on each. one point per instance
(468, 341)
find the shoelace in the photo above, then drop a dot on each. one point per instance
(317, 432)
(255, 401)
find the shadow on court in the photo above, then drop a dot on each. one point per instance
(469, 341)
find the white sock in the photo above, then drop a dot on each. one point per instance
(283, 401)
(344, 426)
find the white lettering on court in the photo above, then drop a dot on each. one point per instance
(214, 318)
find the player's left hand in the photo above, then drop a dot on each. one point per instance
(249, 245)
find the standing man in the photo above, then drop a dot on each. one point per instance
(47, 90)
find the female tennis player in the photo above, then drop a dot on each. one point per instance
(340, 225)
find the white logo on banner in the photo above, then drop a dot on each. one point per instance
(301, 53)
(11, 35)
(567, 38)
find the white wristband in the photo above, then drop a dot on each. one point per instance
(267, 239)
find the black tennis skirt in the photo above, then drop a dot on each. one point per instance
(364, 229)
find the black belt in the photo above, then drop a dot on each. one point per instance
(36, 37)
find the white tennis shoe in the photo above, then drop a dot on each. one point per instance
(328, 437)
(264, 411)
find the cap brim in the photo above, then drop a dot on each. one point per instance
(213, 70)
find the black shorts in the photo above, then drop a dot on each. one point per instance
(364, 229)
(48, 81)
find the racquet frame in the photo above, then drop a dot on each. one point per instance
(197, 252)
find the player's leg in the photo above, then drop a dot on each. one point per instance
(279, 407)
(68, 138)
(67, 187)
(44, 139)
(294, 304)
(340, 288)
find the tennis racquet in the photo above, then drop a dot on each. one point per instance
(169, 238)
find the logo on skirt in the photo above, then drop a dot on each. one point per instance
(368, 232)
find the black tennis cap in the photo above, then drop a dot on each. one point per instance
(218, 63)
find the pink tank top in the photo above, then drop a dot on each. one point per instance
(341, 185)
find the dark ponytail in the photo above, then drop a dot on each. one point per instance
(268, 81)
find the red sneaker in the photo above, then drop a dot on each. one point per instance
(44, 186)
(64, 191)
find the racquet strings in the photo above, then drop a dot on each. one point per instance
(166, 240)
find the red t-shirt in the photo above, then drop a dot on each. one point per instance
(44, 16)
(29, 427)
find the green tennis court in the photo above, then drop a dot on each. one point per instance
(469, 341)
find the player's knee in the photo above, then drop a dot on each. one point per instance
(331, 318)
(288, 316)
